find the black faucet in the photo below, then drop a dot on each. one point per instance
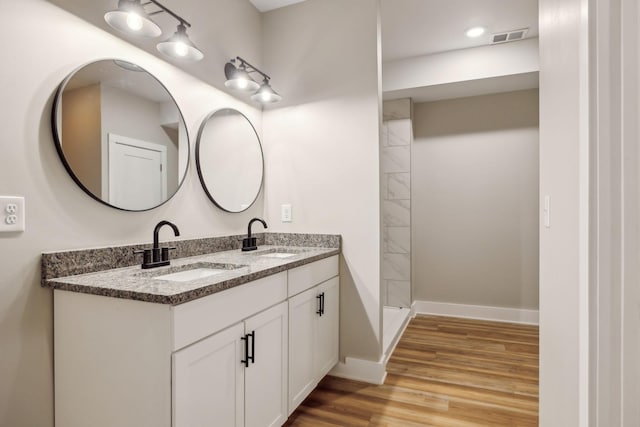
(249, 244)
(157, 256)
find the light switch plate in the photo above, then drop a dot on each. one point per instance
(546, 212)
(285, 213)
(12, 214)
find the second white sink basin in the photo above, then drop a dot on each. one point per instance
(188, 275)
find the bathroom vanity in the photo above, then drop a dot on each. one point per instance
(223, 339)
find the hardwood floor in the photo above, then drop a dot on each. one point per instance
(445, 371)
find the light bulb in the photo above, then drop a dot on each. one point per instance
(475, 32)
(181, 49)
(242, 83)
(266, 96)
(134, 21)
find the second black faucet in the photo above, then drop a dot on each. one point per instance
(250, 243)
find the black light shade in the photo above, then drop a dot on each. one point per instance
(179, 46)
(131, 18)
(239, 79)
(266, 94)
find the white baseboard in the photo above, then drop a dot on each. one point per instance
(361, 370)
(498, 314)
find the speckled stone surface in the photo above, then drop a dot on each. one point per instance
(142, 285)
(70, 263)
(116, 272)
(298, 239)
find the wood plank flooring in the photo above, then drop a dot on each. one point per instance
(445, 372)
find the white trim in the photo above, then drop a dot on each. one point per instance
(498, 314)
(361, 370)
(584, 188)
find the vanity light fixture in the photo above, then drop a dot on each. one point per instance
(266, 94)
(179, 45)
(131, 17)
(238, 78)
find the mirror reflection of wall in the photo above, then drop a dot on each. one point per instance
(229, 160)
(121, 135)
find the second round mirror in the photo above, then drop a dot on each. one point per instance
(229, 160)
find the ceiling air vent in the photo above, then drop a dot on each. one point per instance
(509, 36)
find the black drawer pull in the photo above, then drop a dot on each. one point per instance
(245, 338)
(252, 358)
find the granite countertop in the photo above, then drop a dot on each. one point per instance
(240, 267)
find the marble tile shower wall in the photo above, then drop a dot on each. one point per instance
(396, 212)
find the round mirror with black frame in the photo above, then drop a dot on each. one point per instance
(120, 135)
(229, 160)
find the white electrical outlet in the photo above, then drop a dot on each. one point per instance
(13, 216)
(285, 213)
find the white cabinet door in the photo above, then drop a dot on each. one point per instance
(208, 381)
(302, 324)
(266, 376)
(328, 328)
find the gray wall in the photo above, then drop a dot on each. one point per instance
(475, 200)
(59, 215)
(321, 146)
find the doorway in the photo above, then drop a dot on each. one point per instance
(472, 211)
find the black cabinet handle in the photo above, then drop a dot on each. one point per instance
(253, 347)
(245, 338)
(320, 304)
(249, 357)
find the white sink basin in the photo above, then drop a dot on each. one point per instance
(278, 255)
(195, 271)
(188, 275)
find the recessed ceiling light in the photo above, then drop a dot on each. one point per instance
(475, 32)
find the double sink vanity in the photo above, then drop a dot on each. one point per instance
(218, 336)
(226, 338)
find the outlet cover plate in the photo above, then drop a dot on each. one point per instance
(12, 214)
(285, 213)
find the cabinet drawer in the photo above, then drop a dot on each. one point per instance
(306, 276)
(197, 319)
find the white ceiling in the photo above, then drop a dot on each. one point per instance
(409, 27)
(421, 27)
(267, 5)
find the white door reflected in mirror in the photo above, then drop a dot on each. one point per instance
(137, 172)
